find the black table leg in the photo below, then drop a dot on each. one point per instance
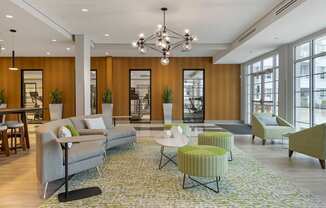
(167, 157)
(78, 193)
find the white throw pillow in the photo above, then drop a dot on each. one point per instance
(95, 123)
(64, 132)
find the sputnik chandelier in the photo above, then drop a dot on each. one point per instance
(164, 40)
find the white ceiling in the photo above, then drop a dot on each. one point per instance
(307, 18)
(216, 23)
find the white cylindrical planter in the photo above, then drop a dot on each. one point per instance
(3, 106)
(55, 111)
(107, 108)
(167, 111)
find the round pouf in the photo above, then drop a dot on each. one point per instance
(219, 139)
(202, 161)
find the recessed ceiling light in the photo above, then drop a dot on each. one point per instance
(106, 35)
(54, 40)
(48, 53)
(9, 16)
(1, 40)
(68, 49)
(107, 53)
(84, 10)
(3, 48)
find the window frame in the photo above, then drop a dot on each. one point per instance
(310, 75)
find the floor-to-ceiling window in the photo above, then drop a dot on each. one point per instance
(310, 82)
(262, 78)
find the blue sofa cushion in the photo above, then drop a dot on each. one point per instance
(269, 120)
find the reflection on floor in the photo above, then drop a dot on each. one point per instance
(19, 187)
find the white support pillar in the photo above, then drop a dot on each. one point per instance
(82, 75)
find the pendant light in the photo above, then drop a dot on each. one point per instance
(13, 65)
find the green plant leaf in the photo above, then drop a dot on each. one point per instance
(167, 95)
(56, 96)
(107, 97)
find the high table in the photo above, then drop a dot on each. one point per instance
(22, 112)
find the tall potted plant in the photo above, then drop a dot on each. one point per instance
(167, 98)
(2, 99)
(107, 106)
(56, 106)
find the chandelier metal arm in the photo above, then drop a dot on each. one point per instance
(151, 37)
(163, 40)
(177, 44)
(152, 47)
(178, 34)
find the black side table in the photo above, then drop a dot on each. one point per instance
(78, 193)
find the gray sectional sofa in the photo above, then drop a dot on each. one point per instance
(82, 156)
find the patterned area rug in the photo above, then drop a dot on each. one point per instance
(131, 179)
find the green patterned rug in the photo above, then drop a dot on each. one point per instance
(131, 179)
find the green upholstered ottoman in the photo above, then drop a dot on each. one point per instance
(202, 161)
(219, 139)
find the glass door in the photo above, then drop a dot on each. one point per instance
(140, 95)
(32, 93)
(193, 96)
(93, 91)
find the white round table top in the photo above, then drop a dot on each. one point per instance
(172, 142)
(173, 139)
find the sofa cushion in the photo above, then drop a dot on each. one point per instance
(121, 131)
(73, 130)
(95, 123)
(55, 125)
(85, 150)
(78, 122)
(269, 120)
(106, 118)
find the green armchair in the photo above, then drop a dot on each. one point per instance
(310, 142)
(268, 126)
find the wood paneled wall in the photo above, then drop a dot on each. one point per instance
(57, 73)
(222, 86)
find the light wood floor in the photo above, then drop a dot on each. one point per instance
(19, 187)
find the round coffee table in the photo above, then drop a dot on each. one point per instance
(174, 141)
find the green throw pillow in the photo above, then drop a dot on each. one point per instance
(73, 130)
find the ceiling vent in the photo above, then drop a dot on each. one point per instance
(246, 34)
(285, 7)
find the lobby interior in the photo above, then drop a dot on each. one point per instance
(212, 103)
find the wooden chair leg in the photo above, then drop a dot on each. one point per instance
(22, 138)
(253, 139)
(5, 145)
(290, 153)
(322, 163)
(11, 138)
(264, 141)
(15, 134)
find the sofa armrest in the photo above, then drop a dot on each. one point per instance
(80, 139)
(258, 128)
(311, 141)
(85, 132)
(282, 122)
(49, 156)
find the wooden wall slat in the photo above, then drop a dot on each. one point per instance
(222, 83)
